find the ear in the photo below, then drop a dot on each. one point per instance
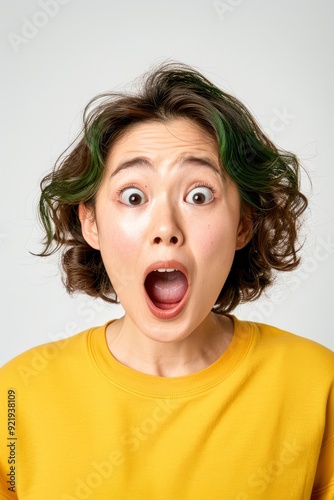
(245, 229)
(89, 226)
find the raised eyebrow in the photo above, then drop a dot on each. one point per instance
(139, 161)
(202, 161)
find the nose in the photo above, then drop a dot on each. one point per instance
(166, 227)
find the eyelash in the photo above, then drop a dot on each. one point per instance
(120, 191)
(204, 184)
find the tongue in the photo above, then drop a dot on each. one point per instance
(166, 288)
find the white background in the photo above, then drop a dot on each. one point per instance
(275, 56)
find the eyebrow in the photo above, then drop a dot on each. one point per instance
(141, 161)
(201, 161)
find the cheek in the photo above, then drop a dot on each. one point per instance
(215, 242)
(118, 236)
(120, 250)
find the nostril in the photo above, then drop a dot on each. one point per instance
(174, 240)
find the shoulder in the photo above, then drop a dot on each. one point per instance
(293, 342)
(290, 350)
(48, 360)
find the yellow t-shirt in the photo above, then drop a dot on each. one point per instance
(257, 424)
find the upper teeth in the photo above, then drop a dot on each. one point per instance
(166, 270)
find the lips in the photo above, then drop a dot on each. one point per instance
(166, 286)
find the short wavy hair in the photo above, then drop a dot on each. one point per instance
(268, 180)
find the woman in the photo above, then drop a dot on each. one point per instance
(174, 203)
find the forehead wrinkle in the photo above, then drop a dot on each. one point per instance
(181, 161)
(156, 146)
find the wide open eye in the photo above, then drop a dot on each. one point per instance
(132, 196)
(200, 195)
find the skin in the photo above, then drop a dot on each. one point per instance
(186, 212)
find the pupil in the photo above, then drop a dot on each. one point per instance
(135, 199)
(199, 198)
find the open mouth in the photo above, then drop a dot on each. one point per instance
(166, 288)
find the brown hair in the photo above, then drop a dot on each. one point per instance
(267, 179)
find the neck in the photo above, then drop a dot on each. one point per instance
(193, 353)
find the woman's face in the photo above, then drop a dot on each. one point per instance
(167, 224)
